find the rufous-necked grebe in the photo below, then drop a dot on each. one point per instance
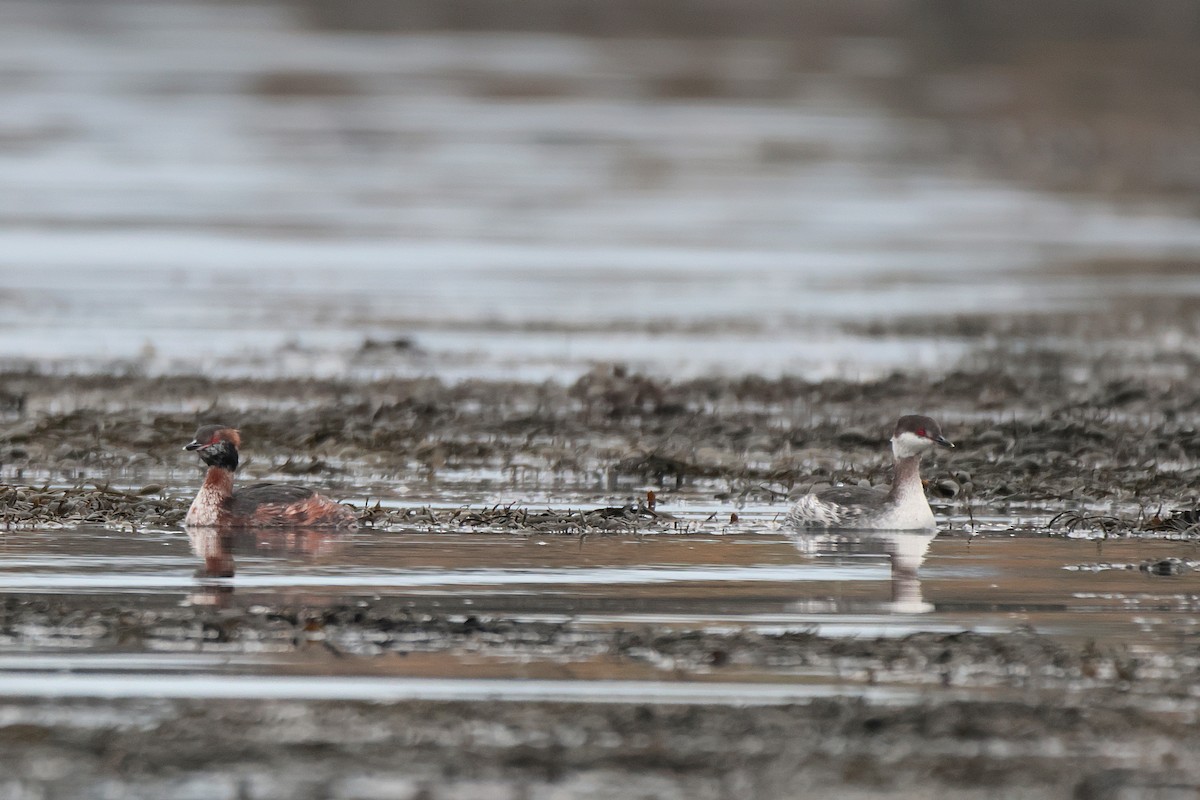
(263, 505)
(904, 507)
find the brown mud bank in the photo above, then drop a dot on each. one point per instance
(1031, 426)
(500, 751)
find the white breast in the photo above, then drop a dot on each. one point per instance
(911, 512)
(205, 509)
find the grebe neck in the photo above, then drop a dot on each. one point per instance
(907, 478)
(209, 507)
(218, 481)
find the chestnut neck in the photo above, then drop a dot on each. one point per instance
(219, 480)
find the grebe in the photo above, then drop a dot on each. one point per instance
(904, 507)
(263, 505)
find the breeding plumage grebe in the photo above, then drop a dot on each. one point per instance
(904, 507)
(263, 505)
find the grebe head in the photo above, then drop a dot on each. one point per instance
(217, 445)
(916, 434)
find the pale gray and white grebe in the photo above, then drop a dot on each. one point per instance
(903, 507)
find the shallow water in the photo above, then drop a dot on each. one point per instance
(760, 580)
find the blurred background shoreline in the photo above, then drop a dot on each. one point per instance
(527, 190)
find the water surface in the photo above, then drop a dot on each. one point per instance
(765, 581)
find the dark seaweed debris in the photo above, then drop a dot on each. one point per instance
(1181, 523)
(614, 519)
(29, 507)
(26, 507)
(1032, 427)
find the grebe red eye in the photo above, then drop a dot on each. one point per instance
(921, 433)
(216, 438)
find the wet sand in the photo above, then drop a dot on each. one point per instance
(228, 749)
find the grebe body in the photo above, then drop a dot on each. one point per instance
(902, 507)
(263, 505)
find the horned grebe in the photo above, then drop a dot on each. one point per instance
(262, 505)
(904, 507)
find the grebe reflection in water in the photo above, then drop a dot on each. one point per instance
(905, 551)
(217, 547)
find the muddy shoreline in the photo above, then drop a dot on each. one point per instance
(1111, 435)
(157, 748)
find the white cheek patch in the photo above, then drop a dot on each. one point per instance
(909, 444)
